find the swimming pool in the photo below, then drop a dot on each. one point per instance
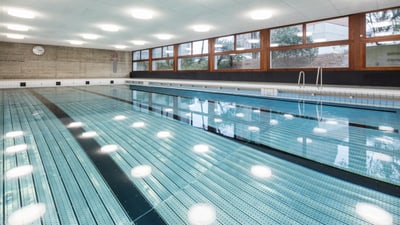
(114, 155)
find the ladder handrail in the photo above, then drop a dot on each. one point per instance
(301, 74)
(318, 81)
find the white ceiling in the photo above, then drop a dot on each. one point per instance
(59, 21)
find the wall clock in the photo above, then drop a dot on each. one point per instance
(38, 50)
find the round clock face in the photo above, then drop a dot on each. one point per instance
(38, 50)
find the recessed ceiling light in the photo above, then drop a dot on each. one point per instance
(90, 36)
(138, 42)
(201, 28)
(110, 27)
(21, 13)
(164, 36)
(75, 42)
(260, 14)
(27, 214)
(17, 27)
(15, 36)
(120, 46)
(143, 14)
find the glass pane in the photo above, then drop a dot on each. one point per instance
(167, 64)
(156, 53)
(145, 54)
(330, 56)
(238, 61)
(168, 51)
(328, 30)
(286, 36)
(383, 54)
(184, 49)
(224, 44)
(248, 41)
(136, 55)
(196, 63)
(141, 66)
(383, 23)
(200, 47)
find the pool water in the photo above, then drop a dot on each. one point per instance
(123, 155)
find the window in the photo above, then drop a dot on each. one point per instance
(193, 63)
(327, 57)
(379, 54)
(224, 44)
(193, 55)
(237, 61)
(383, 23)
(328, 30)
(163, 52)
(140, 60)
(248, 41)
(163, 64)
(285, 36)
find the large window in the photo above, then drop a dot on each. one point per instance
(140, 60)
(193, 55)
(383, 38)
(162, 58)
(286, 36)
(328, 30)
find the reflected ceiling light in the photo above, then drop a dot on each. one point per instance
(218, 45)
(319, 130)
(201, 28)
(21, 13)
(75, 42)
(288, 116)
(253, 129)
(16, 148)
(169, 51)
(168, 110)
(202, 214)
(382, 24)
(332, 122)
(188, 114)
(89, 134)
(120, 46)
(119, 117)
(27, 214)
(382, 157)
(17, 27)
(14, 134)
(16, 36)
(138, 124)
(301, 140)
(109, 27)
(138, 42)
(374, 214)
(19, 171)
(386, 128)
(164, 36)
(274, 45)
(201, 148)
(217, 120)
(261, 14)
(300, 34)
(163, 134)
(141, 171)
(108, 148)
(239, 49)
(143, 14)
(240, 115)
(385, 140)
(316, 40)
(75, 124)
(253, 41)
(90, 36)
(273, 122)
(192, 106)
(256, 111)
(261, 171)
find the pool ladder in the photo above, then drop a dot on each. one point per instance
(302, 76)
(318, 81)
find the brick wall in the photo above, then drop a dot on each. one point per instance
(18, 62)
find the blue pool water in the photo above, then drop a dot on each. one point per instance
(123, 155)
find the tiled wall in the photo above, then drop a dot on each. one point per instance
(18, 62)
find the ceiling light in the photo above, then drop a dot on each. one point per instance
(256, 111)
(143, 14)
(141, 171)
(202, 214)
(260, 14)
(17, 27)
(119, 117)
(19, 171)
(13, 134)
(15, 36)
(16, 148)
(253, 128)
(21, 13)
(319, 130)
(201, 28)
(27, 214)
(201, 148)
(374, 214)
(240, 115)
(90, 36)
(109, 148)
(138, 124)
(261, 171)
(75, 124)
(386, 128)
(138, 42)
(273, 122)
(75, 42)
(89, 134)
(120, 46)
(163, 134)
(164, 36)
(109, 27)
(288, 116)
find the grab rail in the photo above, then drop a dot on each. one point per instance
(318, 81)
(302, 74)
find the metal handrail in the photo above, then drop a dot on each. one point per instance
(302, 74)
(318, 81)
